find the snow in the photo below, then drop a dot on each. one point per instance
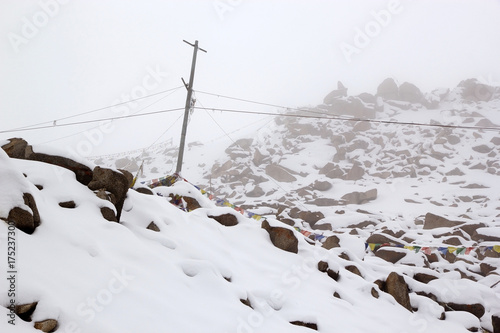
(92, 275)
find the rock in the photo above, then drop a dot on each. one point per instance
(374, 293)
(356, 173)
(381, 239)
(339, 92)
(358, 198)
(476, 309)
(322, 185)
(68, 204)
(495, 319)
(47, 325)
(111, 181)
(16, 148)
(279, 174)
(308, 325)
(323, 267)
(24, 311)
(486, 268)
(455, 172)
(474, 90)
(434, 221)
(258, 157)
(424, 278)
(282, 238)
(388, 89)
(488, 234)
(24, 220)
(470, 228)
(153, 226)
(256, 192)
(191, 203)
(310, 217)
(389, 254)
(484, 149)
(353, 269)
(108, 214)
(144, 190)
(129, 177)
(246, 302)
(322, 202)
(331, 242)
(410, 93)
(396, 286)
(227, 220)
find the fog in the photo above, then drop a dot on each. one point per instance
(62, 58)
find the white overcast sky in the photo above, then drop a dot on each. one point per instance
(59, 60)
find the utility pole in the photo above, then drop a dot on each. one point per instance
(189, 87)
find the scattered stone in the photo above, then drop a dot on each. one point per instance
(308, 325)
(410, 93)
(153, 226)
(111, 181)
(24, 311)
(356, 173)
(434, 221)
(331, 242)
(378, 238)
(278, 173)
(396, 286)
(282, 238)
(256, 192)
(24, 220)
(388, 89)
(68, 204)
(495, 319)
(144, 190)
(455, 172)
(48, 325)
(358, 198)
(129, 177)
(374, 293)
(310, 217)
(322, 185)
(323, 267)
(424, 278)
(484, 149)
(390, 255)
(108, 214)
(227, 220)
(246, 302)
(476, 309)
(353, 269)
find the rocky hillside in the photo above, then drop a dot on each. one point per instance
(358, 218)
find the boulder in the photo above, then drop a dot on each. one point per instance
(424, 278)
(390, 255)
(353, 269)
(476, 309)
(331, 242)
(108, 214)
(227, 220)
(256, 192)
(434, 221)
(310, 217)
(282, 238)
(410, 93)
(82, 172)
(24, 311)
(279, 173)
(111, 181)
(16, 148)
(322, 185)
(24, 220)
(152, 226)
(323, 267)
(358, 198)
(144, 190)
(474, 90)
(388, 89)
(356, 173)
(495, 320)
(396, 286)
(48, 325)
(335, 94)
(68, 204)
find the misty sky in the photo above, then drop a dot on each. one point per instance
(62, 58)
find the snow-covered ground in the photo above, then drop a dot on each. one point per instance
(195, 274)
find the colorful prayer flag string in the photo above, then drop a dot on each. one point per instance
(457, 250)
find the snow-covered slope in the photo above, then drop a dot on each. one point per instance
(186, 272)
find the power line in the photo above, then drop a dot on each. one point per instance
(91, 111)
(351, 119)
(93, 121)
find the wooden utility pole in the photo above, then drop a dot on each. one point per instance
(188, 106)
